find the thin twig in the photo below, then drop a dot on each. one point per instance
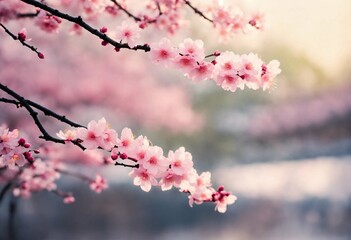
(137, 19)
(197, 11)
(126, 165)
(34, 115)
(45, 110)
(27, 15)
(14, 37)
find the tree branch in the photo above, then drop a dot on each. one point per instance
(14, 37)
(197, 11)
(126, 165)
(78, 20)
(137, 19)
(45, 135)
(27, 15)
(45, 110)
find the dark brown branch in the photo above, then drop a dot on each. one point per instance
(126, 165)
(50, 113)
(197, 11)
(45, 110)
(137, 19)
(27, 15)
(78, 20)
(27, 104)
(23, 102)
(14, 37)
(5, 100)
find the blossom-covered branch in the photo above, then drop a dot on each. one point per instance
(79, 21)
(21, 37)
(150, 166)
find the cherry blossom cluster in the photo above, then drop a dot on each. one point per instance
(14, 151)
(150, 166)
(228, 70)
(47, 22)
(9, 9)
(35, 174)
(229, 20)
(40, 175)
(167, 15)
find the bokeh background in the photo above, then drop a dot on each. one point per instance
(285, 153)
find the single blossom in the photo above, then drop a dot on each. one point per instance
(163, 52)
(98, 184)
(128, 33)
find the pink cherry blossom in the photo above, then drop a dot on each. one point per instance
(68, 135)
(257, 20)
(143, 178)
(47, 22)
(162, 52)
(170, 179)
(154, 161)
(97, 134)
(125, 143)
(39, 176)
(223, 201)
(22, 35)
(13, 150)
(69, 199)
(128, 33)
(201, 72)
(98, 184)
(180, 161)
(185, 63)
(192, 48)
(269, 72)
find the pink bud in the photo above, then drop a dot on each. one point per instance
(103, 29)
(22, 141)
(123, 156)
(142, 25)
(28, 156)
(114, 156)
(217, 53)
(26, 145)
(214, 62)
(253, 22)
(22, 35)
(104, 43)
(41, 55)
(117, 49)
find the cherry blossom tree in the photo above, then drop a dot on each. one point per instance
(29, 164)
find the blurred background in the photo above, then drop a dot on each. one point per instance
(285, 153)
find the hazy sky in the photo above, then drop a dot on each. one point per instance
(318, 28)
